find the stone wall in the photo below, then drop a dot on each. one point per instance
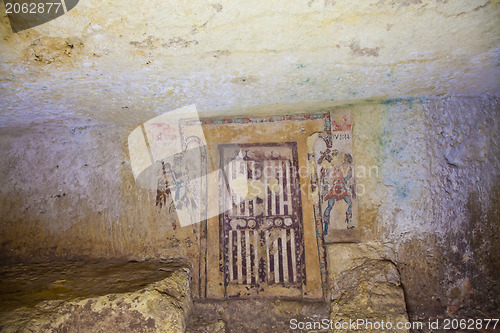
(68, 191)
(447, 243)
(431, 199)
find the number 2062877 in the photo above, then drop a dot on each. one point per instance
(470, 324)
(33, 8)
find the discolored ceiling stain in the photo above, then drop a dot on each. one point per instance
(365, 51)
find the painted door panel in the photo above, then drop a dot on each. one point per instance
(261, 229)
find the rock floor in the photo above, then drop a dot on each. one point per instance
(263, 315)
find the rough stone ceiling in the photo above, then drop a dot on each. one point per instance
(125, 61)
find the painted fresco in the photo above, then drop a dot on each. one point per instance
(180, 176)
(335, 174)
(257, 197)
(175, 182)
(262, 221)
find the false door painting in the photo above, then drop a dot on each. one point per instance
(261, 228)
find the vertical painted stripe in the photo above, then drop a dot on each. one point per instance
(273, 194)
(285, 257)
(268, 263)
(241, 169)
(280, 261)
(286, 197)
(247, 202)
(256, 257)
(288, 187)
(232, 175)
(237, 202)
(235, 255)
(266, 191)
(254, 200)
(243, 257)
(240, 273)
(276, 262)
(250, 203)
(235, 198)
(282, 188)
(294, 255)
(230, 242)
(290, 254)
(247, 252)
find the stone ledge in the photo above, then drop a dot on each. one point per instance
(160, 306)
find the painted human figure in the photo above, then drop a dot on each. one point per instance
(341, 189)
(162, 189)
(183, 197)
(177, 176)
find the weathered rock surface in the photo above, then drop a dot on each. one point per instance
(365, 286)
(253, 315)
(440, 203)
(161, 306)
